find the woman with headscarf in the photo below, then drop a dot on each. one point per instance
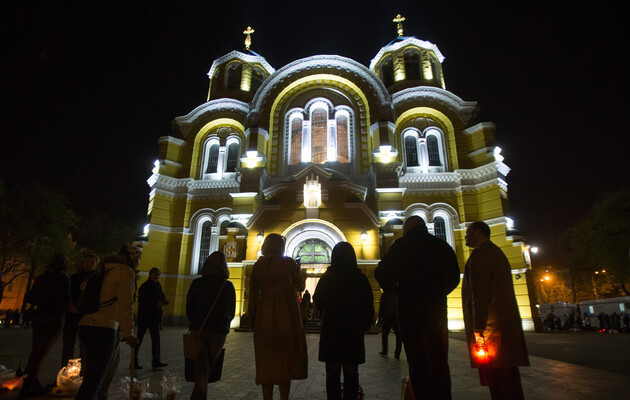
(344, 296)
(279, 341)
(201, 295)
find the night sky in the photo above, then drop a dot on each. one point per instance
(87, 89)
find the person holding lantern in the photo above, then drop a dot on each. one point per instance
(422, 269)
(493, 325)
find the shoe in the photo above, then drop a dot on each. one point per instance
(136, 367)
(383, 353)
(157, 365)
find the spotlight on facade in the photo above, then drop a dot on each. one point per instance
(364, 236)
(534, 249)
(261, 236)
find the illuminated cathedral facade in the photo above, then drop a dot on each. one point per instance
(324, 150)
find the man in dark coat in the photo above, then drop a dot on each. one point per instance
(491, 314)
(388, 314)
(423, 270)
(51, 295)
(71, 326)
(150, 301)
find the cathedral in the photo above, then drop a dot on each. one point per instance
(323, 150)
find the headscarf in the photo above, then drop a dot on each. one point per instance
(57, 263)
(215, 265)
(343, 257)
(273, 245)
(133, 253)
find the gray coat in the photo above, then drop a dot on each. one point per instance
(489, 303)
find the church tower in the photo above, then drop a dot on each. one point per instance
(324, 150)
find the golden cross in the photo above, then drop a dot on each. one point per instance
(248, 38)
(398, 20)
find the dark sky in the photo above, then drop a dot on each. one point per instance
(87, 89)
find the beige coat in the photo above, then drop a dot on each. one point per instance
(489, 303)
(119, 282)
(279, 341)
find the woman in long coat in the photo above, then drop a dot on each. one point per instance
(344, 296)
(279, 341)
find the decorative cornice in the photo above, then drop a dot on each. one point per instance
(461, 180)
(465, 110)
(423, 44)
(248, 58)
(284, 76)
(189, 188)
(212, 106)
(171, 139)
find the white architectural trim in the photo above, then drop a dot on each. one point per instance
(248, 58)
(423, 95)
(311, 229)
(423, 44)
(284, 76)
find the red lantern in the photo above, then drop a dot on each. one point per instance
(480, 351)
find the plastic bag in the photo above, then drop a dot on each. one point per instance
(140, 388)
(171, 385)
(69, 379)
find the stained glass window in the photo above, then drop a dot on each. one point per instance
(319, 134)
(411, 150)
(296, 141)
(434, 151)
(313, 251)
(232, 157)
(213, 159)
(342, 139)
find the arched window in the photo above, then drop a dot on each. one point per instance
(296, 140)
(233, 78)
(232, 157)
(215, 83)
(204, 243)
(435, 68)
(319, 134)
(213, 159)
(411, 150)
(313, 251)
(412, 64)
(258, 76)
(439, 228)
(433, 149)
(342, 139)
(387, 72)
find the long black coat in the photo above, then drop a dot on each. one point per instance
(423, 270)
(489, 303)
(345, 298)
(149, 294)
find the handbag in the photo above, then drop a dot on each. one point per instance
(193, 347)
(215, 372)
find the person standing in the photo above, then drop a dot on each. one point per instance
(344, 296)
(98, 332)
(212, 288)
(71, 326)
(279, 341)
(151, 299)
(51, 295)
(491, 314)
(388, 314)
(423, 270)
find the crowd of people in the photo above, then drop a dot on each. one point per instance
(602, 322)
(415, 275)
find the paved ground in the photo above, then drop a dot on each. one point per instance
(564, 367)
